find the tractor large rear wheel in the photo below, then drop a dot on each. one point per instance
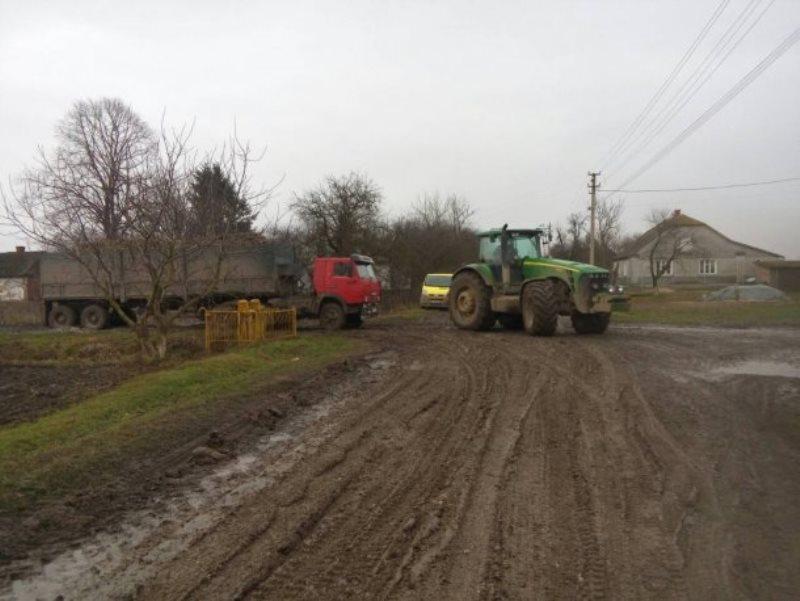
(471, 302)
(590, 323)
(539, 312)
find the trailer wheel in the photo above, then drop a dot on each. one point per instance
(331, 316)
(94, 317)
(61, 316)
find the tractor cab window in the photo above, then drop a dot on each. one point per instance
(521, 246)
(526, 247)
(490, 249)
(343, 269)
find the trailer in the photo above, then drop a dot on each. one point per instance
(342, 290)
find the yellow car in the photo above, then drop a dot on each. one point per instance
(435, 289)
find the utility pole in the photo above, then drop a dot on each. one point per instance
(593, 185)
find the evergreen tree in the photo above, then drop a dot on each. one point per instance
(216, 205)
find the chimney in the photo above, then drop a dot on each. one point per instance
(676, 213)
(20, 249)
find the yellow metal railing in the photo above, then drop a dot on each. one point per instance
(249, 322)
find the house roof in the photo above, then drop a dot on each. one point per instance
(778, 264)
(680, 219)
(19, 264)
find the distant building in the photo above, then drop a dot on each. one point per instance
(784, 275)
(19, 275)
(707, 256)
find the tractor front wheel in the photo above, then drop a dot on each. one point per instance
(471, 302)
(590, 323)
(539, 313)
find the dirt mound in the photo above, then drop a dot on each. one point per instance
(753, 293)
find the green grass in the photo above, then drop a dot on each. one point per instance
(66, 450)
(685, 308)
(115, 345)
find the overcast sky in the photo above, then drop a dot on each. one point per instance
(508, 104)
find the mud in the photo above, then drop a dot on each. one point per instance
(28, 392)
(643, 464)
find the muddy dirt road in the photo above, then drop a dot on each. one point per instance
(645, 464)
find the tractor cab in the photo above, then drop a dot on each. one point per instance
(505, 251)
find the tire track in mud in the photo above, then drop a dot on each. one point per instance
(486, 471)
(490, 466)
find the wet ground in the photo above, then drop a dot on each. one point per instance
(649, 463)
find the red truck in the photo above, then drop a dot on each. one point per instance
(342, 291)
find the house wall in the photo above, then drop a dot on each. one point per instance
(21, 313)
(735, 262)
(13, 289)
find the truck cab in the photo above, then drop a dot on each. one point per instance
(346, 289)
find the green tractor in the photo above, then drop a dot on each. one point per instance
(514, 284)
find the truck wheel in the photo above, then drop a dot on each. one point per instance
(61, 316)
(470, 302)
(331, 316)
(539, 314)
(590, 323)
(509, 321)
(94, 317)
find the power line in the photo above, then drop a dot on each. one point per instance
(663, 88)
(722, 187)
(745, 81)
(694, 83)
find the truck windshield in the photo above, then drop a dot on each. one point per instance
(365, 271)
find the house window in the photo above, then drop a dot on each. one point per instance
(708, 267)
(664, 266)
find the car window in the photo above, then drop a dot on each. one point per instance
(442, 281)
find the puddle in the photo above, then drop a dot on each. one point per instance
(760, 368)
(113, 565)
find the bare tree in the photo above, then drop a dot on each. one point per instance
(609, 217)
(125, 215)
(669, 243)
(341, 214)
(87, 184)
(435, 236)
(570, 239)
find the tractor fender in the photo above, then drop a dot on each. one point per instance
(482, 270)
(555, 278)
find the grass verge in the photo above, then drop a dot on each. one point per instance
(659, 310)
(81, 347)
(70, 449)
